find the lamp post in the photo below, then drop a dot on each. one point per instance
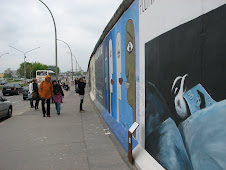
(30, 74)
(56, 71)
(24, 57)
(71, 56)
(3, 54)
(75, 60)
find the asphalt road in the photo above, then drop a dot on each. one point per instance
(72, 140)
(19, 105)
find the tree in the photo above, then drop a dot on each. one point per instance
(8, 73)
(31, 69)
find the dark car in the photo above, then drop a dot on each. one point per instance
(3, 82)
(6, 108)
(26, 92)
(12, 88)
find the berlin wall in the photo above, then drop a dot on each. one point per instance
(162, 64)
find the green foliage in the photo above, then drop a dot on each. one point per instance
(8, 73)
(31, 69)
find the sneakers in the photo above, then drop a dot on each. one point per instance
(82, 111)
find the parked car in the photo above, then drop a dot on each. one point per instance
(26, 93)
(6, 108)
(3, 82)
(12, 88)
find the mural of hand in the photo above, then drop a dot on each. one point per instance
(127, 85)
(120, 81)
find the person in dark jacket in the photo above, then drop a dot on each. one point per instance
(35, 93)
(81, 86)
(58, 95)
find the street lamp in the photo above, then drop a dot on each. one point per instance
(24, 57)
(30, 74)
(4, 54)
(71, 56)
(75, 60)
(55, 38)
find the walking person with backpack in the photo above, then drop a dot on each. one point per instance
(81, 91)
(46, 92)
(58, 95)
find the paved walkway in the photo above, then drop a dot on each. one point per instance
(72, 140)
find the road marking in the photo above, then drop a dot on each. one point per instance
(16, 101)
(20, 113)
(9, 97)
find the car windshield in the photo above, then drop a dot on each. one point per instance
(9, 84)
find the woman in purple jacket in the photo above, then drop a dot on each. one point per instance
(58, 95)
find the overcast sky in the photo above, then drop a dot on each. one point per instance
(27, 24)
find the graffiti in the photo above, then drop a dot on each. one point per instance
(145, 4)
(131, 66)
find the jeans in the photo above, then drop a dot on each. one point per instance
(57, 107)
(31, 102)
(36, 103)
(48, 106)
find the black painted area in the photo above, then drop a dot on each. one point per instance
(196, 48)
(99, 78)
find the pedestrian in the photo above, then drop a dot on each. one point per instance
(30, 94)
(81, 87)
(66, 84)
(59, 82)
(46, 92)
(76, 83)
(58, 95)
(35, 94)
(61, 85)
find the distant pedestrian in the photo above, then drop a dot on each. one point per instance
(30, 94)
(35, 94)
(58, 95)
(46, 92)
(81, 87)
(59, 82)
(61, 85)
(66, 84)
(76, 83)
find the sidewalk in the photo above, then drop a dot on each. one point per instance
(72, 140)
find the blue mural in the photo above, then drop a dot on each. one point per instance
(119, 103)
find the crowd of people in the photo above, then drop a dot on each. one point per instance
(51, 89)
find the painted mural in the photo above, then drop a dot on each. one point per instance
(131, 66)
(99, 74)
(185, 111)
(168, 73)
(119, 72)
(92, 76)
(120, 68)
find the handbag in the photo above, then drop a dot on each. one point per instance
(34, 95)
(77, 90)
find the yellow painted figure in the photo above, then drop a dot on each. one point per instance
(131, 66)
